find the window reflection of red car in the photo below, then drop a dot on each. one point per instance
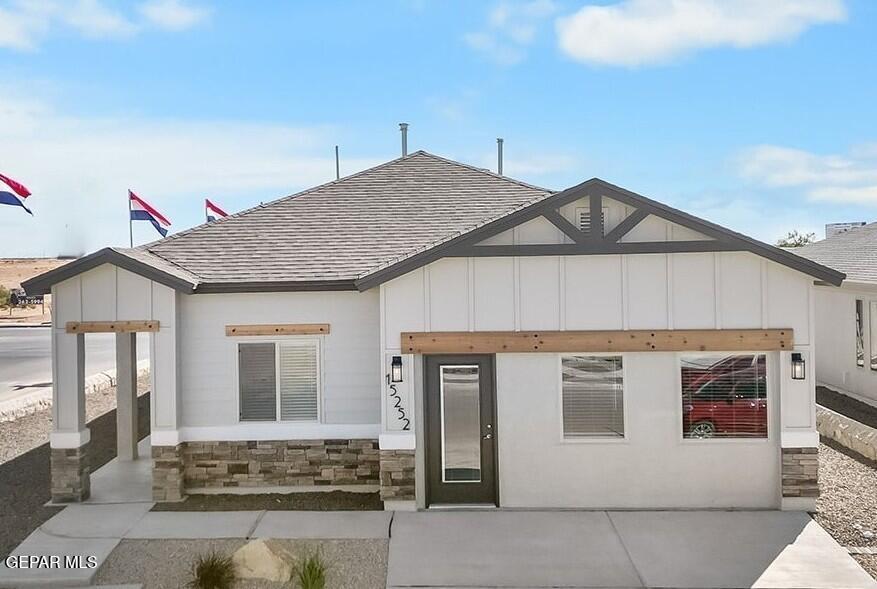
(694, 377)
(730, 405)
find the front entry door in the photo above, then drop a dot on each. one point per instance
(460, 430)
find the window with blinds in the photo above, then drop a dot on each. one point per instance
(724, 396)
(298, 382)
(593, 396)
(279, 379)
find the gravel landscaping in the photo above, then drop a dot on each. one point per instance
(25, 476)
(316, 501)
(160, 564)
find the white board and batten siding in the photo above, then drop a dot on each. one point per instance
(836, 364)
(349, 379)
(648, 291)
(110, 293)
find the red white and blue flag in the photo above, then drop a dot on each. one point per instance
(212, 211)
(142, 211)
(17, 196)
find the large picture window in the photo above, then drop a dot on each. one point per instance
(860, 333)
(593, 396)
(279, 379)
(724, 396)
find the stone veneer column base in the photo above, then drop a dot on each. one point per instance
(167, 473)
(800, 478)
(397, 475)
(71, 475)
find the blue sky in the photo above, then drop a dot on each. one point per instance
(758, 115)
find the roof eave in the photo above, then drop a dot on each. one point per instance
(42, 284)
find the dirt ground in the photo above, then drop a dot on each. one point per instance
(13, 271)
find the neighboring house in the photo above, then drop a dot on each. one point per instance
(451, 336)
(846, 318)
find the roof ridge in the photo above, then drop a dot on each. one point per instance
(485, 171)
(419, 152)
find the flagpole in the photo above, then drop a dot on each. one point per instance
(130, 225)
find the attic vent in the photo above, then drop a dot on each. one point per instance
(583, 219)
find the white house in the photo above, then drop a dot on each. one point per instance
(452, 336)
(846, 317)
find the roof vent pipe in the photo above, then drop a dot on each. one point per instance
(337, 165)
(499, 155)
(404, 128)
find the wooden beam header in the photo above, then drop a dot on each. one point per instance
(666, 340)
(278, 329)
(110, 326)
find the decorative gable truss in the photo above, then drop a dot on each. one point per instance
(596, 234)
(698, 235)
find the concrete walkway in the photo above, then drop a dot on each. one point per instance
(768, 549)
(531, 549)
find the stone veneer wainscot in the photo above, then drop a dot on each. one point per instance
(800, 472)
(280, 463)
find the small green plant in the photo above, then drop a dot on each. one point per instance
(4, 296)
(311, 572)
(213, 571)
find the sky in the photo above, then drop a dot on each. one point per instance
(755, 114)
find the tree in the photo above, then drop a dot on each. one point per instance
(796, 239)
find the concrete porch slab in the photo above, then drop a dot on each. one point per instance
(40, 543)
(507, 549)
(121, 481)
(334, 525)
(191, 525)
(96, 521)
(736, 549)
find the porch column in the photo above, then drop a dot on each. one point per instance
(167, 445)
(799, 459)
(126, 396)
(69, 439)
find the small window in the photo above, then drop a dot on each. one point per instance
(593, 397)
(860, 333)
(279, 379)
(873, 326)
(724, 396)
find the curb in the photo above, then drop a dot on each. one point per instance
(847, 432)
(41, 398)
(4, 325)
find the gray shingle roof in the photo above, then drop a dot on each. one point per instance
(347, 228)
(853, 253)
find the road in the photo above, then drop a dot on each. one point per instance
(26, 357)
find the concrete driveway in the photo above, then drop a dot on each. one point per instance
(617, 549)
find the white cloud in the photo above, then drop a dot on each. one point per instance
(79, 170)
(25, 24)
(510, 29)
(173, 15)
(849, 178)
(640, 32)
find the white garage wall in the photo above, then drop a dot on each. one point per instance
(351, 379)
(836, 328)
(652, 468)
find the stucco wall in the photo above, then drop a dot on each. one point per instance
(654, 467)
(351, 378)
(836, 329)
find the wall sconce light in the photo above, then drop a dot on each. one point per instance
(396, 369)
(797, 366)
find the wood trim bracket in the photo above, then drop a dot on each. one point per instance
(111, 326)
(564, 225)
(626, 225)
(658, 340)
(278, 329)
